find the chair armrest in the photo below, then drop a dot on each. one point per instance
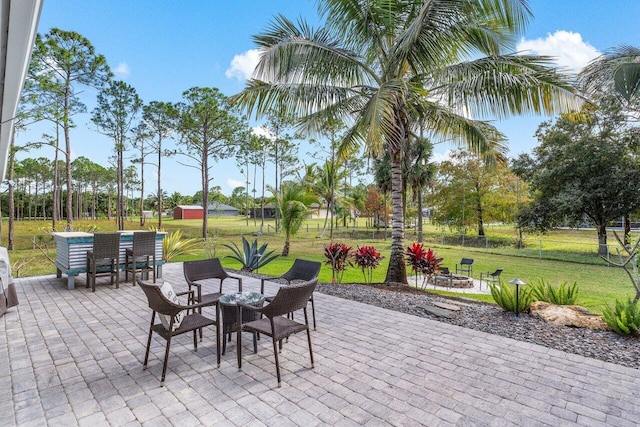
(197, 305)
(263, 279)
(239, 279)
(190, 298)
(190, 291)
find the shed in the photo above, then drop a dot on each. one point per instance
(220, 209)
(188, 212)
(269, 211)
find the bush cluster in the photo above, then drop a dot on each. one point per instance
(504, 295)
(561, 295)
(623, 318)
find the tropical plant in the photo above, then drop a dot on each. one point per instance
(173, 245)
(423, 261)
(338, 257)
(367, 258)
(251, 256)
(504, 294)
(624, 318)
(391, 67)
(561, 295)
(293, 205)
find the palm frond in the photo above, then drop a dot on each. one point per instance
(480, 137)
(616, 68)
(502, 86)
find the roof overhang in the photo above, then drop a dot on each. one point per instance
(18, 28)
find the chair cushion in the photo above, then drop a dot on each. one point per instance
(167, 291)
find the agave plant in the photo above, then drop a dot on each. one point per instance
(251, 256)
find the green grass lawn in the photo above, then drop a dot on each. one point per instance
(599, 284)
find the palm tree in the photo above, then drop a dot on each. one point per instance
(293, 204)
(389, 67)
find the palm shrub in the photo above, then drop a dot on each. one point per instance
(624, 318)
(251, 256)
(173, 246)
(561, 295)
(338, 257)
(367, 258)
(504, 295)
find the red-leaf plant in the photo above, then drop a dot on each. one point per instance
(337, 255)
(367, 258)
(423, 261)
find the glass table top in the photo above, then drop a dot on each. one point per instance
(250, 298)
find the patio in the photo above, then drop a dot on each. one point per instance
(70, 357)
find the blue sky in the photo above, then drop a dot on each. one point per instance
(163, 47)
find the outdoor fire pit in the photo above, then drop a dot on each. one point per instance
(453, 281)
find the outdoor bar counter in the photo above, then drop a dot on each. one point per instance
(72, 247)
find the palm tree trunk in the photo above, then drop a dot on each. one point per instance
(420, 218)
(479, 214)
(396, 272)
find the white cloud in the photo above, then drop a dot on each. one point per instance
(242, 65)
(568, 49)
(262, 131)
(122, 70)
(233, 184)
(441, 157)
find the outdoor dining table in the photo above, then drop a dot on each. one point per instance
(228, 307)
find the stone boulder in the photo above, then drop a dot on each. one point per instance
(567, 315)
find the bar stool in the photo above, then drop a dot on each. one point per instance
(142, 255)
(104, 259)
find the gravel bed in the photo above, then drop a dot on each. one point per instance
(602, 345)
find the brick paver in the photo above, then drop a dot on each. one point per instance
(75, 358)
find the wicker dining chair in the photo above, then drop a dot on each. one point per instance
(104, 259)
(301, 270)
(191, 322)
(199, 273)
(141, 256)
(274, 324)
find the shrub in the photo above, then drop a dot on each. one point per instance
(624, 318)
(562, 295)
(504, 294)
(421, 261)
(337, 255)
(367, 258)
(173, 245)
(210, 245)
(251, 256)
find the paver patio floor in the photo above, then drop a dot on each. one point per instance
(75, 358)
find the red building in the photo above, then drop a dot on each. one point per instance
(188, 212)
